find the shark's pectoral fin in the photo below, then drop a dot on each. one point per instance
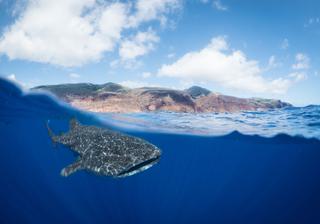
(72, 168)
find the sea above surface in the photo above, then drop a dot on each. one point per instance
(294, 121)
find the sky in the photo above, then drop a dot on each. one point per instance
(247, 48)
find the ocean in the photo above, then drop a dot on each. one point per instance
(248, 167)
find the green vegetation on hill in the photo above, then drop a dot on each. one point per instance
(81, 89)
(197, 91)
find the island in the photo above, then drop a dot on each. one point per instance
(112, 97)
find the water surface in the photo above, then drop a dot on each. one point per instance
(303, 121)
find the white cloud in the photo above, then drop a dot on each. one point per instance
(75, 32)
(146, 75)
(273, 63)
(138, 45)
(298, 76)
(138, 84)
(17, 7)
(58, 32)
(312, 21)
(112, 20)
(127, 64)
(147, 10)
(74, 75)
(12, 77)
(285, 44)
(232, 69)
(302, 62)
(171, 55)
(114, 64)
(219, 6)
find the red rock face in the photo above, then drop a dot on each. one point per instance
(155, 99)
(221, 103)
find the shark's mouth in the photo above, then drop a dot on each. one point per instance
(139, 167)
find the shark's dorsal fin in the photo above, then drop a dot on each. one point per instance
(74, 123)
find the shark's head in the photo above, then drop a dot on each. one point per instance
(144, 161)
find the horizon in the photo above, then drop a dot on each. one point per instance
(266, 50)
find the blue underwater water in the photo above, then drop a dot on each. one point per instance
(210, 178)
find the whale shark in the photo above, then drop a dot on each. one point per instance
(105, 152)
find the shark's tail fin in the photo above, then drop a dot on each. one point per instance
(51, 134)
